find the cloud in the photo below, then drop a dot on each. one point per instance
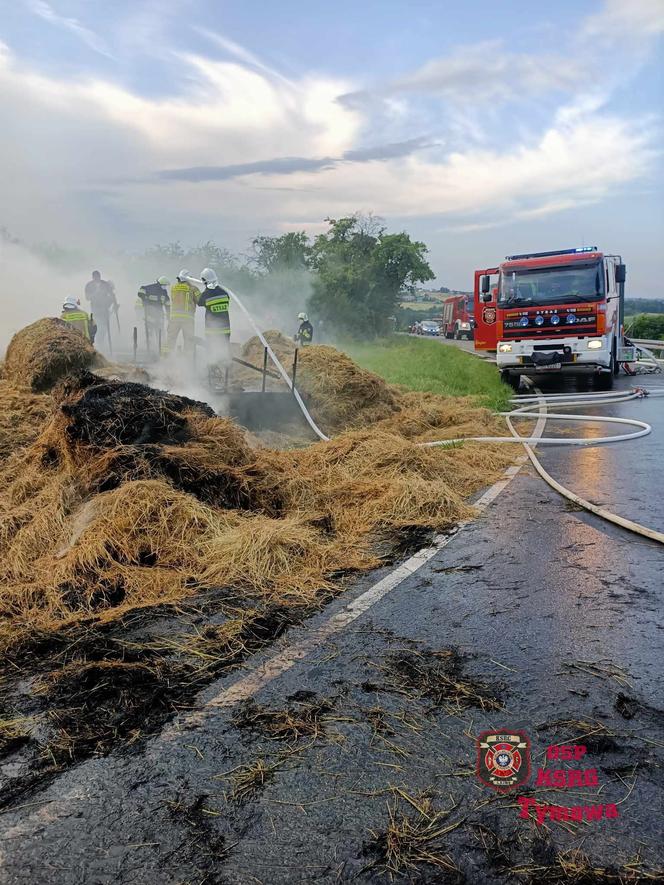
(276, 166)
(235, 146)
(492, 72)
(483, 72)
(388, 151)
(619, 20)
(45, 11)
(291, 165)
(570, 164)
(242, 54)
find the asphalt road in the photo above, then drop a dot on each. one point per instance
(358, 762)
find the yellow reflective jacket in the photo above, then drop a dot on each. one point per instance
(184, 298)
(79, 320)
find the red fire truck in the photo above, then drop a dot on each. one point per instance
(554, 312)
(457, 317)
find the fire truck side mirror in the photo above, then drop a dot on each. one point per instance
(486, 286)
(621, 273)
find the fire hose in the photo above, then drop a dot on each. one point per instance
(524, 406)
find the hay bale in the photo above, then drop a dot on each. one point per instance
(341, 394)
(22, 416)
(42, 353)
(284, 348)
(338, 392)
(253, 351)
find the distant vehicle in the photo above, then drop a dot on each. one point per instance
(428, 327)
(555, 313)
(458, 317)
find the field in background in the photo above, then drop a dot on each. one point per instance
(425, 365)
(420, 305)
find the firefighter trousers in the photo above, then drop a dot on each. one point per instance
(177, 325)
(154, 334)
(218, 345)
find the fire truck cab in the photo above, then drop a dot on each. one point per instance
(457, 319)
(553, 312)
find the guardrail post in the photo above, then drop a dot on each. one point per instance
(264, 371)
(135, 340)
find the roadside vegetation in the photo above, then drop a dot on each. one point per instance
(647, 326)
(427, 366)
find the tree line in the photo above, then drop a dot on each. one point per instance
(351, 277)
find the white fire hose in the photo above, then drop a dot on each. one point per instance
(523, 409)
(284, 374)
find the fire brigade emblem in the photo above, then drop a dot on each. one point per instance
(489, 315)
(503, 759)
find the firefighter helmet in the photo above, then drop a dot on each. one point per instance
(209, 277)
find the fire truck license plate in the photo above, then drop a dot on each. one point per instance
(552, 366)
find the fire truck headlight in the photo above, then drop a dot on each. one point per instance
(505, 348)
(595, 343)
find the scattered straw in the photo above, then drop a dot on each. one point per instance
(414, 836)
(130, 497)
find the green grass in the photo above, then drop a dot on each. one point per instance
(430, 366)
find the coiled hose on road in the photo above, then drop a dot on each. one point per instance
(524, 406)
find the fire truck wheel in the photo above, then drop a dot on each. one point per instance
(506, 377)
(604, 381)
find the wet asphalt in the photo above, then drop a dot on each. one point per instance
(550, 614)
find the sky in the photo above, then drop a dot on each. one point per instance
(481, 128)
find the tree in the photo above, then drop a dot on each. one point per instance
(289, 252)
(643, 305)
(362, 272)
(170, 258)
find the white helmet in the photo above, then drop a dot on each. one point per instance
(209, 277)
(183, 275)
(70, 303)
(303, 317)
(164, 281)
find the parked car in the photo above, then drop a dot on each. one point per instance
(430, 328)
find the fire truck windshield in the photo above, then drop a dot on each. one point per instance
(552, 285)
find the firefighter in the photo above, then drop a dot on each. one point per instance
(101, 295)
(152, 305)
(184, 299)
(305, 333)
(78, 319)
(216, 301)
